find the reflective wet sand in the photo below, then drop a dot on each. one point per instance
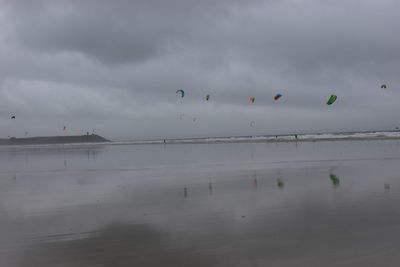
(286, 204)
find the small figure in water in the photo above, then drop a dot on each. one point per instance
(295, 136)
(164, 141)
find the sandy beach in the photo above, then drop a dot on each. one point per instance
(234, 204)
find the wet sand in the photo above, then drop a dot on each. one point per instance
(243, 204)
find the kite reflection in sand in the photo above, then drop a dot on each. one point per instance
(334, 179)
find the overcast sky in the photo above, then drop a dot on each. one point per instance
(114, 66)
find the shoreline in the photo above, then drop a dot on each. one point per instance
(96, 139)
(299, 140)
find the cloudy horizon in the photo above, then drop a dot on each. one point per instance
(114, 67)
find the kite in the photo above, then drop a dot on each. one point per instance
(181, 92)
(331, 99)
(277, 96)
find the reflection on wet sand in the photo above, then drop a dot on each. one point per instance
(255, 181)
(302, 233)
(115, 245)
(173, 206)
(185, 194)
(280, 183)
(387, 187)
(334, 179)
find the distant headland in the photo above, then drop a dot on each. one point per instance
(48, 140)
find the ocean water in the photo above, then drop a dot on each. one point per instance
(233, 204)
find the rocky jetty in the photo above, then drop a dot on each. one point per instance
(47, 140)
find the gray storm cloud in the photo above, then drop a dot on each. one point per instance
(114, 66)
